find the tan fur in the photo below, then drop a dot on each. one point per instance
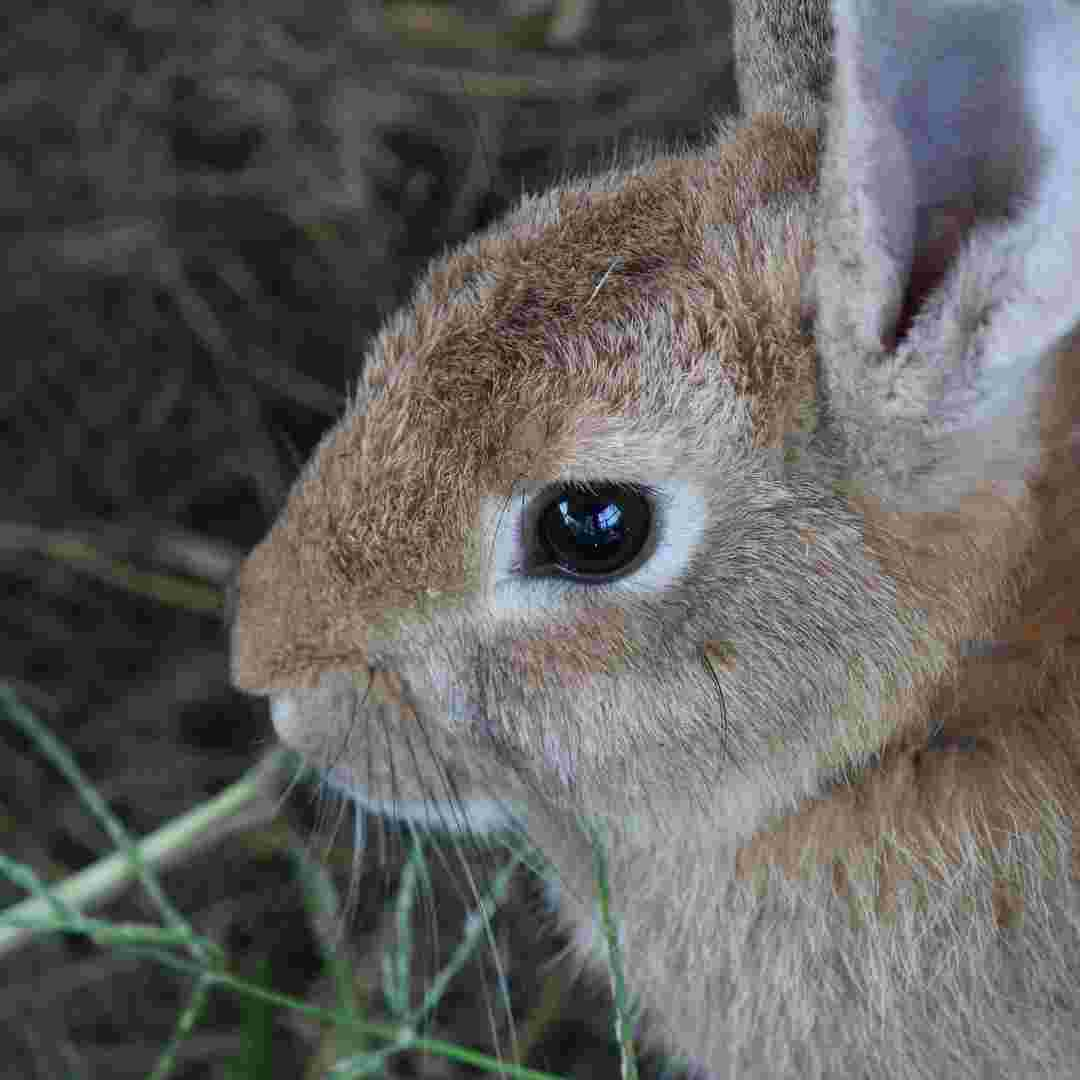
(830, 725)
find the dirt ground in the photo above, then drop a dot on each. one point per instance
(207, 209)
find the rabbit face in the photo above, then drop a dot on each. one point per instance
(471, 633)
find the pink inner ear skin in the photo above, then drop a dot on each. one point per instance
(941, 231)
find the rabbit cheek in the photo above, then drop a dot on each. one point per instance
(572, 656)
(562, 667)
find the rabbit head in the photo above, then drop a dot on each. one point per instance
(676, 498)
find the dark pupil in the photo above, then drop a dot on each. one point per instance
(597, 531)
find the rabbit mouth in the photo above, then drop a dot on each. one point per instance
(390, 767)
(476, 816)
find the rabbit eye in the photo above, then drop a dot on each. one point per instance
(594, 532)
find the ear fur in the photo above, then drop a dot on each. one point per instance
(948, 256)
(783, 58)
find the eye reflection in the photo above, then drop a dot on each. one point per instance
(595, 532)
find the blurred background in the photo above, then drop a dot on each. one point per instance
(207, 210)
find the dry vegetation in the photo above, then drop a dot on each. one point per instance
(207, 209)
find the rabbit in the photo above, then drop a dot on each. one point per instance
(725, 506)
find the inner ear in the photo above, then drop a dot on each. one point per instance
(931, 134)
(941, 232)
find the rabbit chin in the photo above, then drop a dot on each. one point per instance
(472, 816)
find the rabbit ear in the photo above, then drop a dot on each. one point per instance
(783, 58)
(948, 257)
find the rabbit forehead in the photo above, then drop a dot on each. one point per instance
(550, 308)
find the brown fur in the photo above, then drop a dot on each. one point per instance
(1009, 714)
